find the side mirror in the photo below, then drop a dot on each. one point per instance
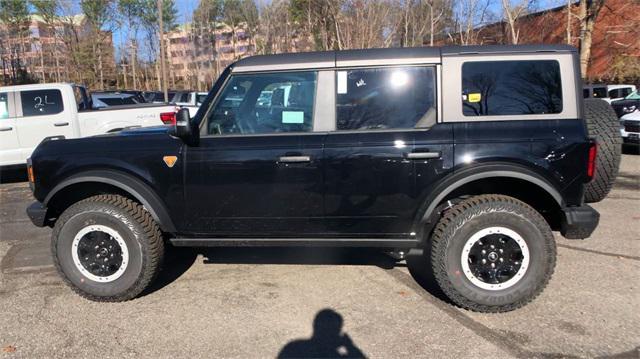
(183, 128)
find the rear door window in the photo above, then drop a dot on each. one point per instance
(385, 98)
(41, 102)
(495, 88)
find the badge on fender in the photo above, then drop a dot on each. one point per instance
(170, 160)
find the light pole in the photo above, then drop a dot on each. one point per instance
(162, 67)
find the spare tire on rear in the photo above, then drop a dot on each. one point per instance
(603, 125)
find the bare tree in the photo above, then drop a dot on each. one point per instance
(469, 15)
(512, 11)
(587, 14)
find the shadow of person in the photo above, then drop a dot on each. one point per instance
(327, 341)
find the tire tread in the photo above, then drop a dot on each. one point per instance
(455, 218)
(151, 234)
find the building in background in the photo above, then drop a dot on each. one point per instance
(56, 52)
(615, 49)
(198, 55)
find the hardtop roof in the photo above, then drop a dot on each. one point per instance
(383, 56)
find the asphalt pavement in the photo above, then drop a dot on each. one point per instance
(263, 302)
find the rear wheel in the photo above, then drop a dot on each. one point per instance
(604, 126)
(107, 248)
(492, 253)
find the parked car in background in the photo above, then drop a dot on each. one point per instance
(138, 95)
(31, 113)
(191, 99)
(627, 105)
(107, 99)
(173, 96)
(608, 93)
(158, 96)
(630, 128)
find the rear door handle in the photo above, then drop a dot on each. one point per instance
(8, 128)
(60, 124)
(294, 159)
(423, 155)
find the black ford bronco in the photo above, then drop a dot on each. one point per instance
(472, 154)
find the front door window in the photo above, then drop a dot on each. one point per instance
(263, 104)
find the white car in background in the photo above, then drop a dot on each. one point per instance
(30, 113)
(630, 128)
(608, 93)
(191, 101)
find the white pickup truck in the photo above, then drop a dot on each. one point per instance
(30, 113)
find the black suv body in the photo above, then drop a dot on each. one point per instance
(369, 148)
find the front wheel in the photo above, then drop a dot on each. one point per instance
(492, 253)
(107, 248)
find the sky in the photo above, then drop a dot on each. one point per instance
(186, 7)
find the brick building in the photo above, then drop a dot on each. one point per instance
(616, 37)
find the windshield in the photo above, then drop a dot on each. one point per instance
(635, 95)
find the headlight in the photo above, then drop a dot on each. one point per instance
(629, 109)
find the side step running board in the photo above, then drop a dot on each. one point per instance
(295, 242)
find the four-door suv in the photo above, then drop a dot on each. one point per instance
(475, 154)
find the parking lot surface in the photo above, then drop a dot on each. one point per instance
(262, 302)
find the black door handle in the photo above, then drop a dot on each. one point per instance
(8, 128)
(60, 124)
(423, 155)
(294, 159)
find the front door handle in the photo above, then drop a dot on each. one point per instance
(8, 128)
(423, 155)
(294, 159)
(60, 124)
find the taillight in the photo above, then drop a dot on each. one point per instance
(168, 118)
(591, 163)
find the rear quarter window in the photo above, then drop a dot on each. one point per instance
(41, 102)
(495, 88)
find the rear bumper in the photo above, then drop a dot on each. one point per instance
(579, 222)
(37, 214)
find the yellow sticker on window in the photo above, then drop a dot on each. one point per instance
(474, 97)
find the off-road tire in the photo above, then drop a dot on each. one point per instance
(135, 225)
(464, 219)
(603, 125)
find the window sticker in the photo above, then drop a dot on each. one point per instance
(474, 97)
(342, 82)
(292, 116)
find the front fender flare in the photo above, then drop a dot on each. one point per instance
(135, 187)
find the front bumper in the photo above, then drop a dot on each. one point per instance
(37, 214)
(579, 222)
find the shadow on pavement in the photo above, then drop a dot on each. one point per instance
(178, 260)
(298, 255)
(13, 174)
(327, 341)
(630, 149)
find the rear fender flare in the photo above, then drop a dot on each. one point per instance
(135, 187)
(468, 175)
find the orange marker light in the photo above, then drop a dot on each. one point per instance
(32, 178)
(170, 160)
